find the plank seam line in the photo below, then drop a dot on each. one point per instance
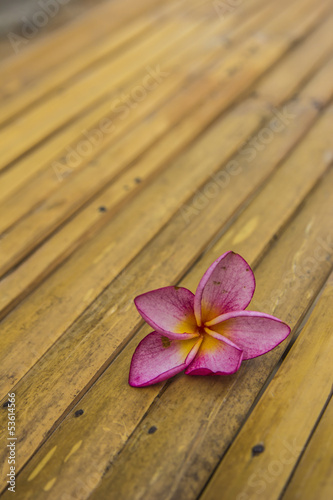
(261, 392)
(292, 45)
(128, 166)
(114, 52)
(108, 363)
(308, 441)
(242, 206)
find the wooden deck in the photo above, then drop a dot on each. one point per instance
(139, 142)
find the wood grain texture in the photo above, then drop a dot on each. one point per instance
(284, 417)
(196, 421)
(49, 215)
(101, 259)
(95, 45)
(87, 222)
(204, 152)
(233, 26)
(32, 194)
(301, 184)
(47, 117)
(180, 70)
(99, 21)
(177, 412)
(313, 475)
(230, 150)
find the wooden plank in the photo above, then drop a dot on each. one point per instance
(87, 89)
(74, 336)
(194, 45)
(17, 209)
(196, 419)
(193, 48)
(47, 217)
(133, 215)
(195, 404)
(142, 218)
(284, 417)
(55, 77)
(23, 279)
(192, 58)
(47, 116)
(100, 326)
(308, 54)
(95, 252)
(53, 149)
(98, 53)
(40, 58)
(313, 476)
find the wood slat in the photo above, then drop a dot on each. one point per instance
(41, 57)
(196, 420)
(86, 330)
(305, 58)
(120, 407)
(100, 253)
(19, 283)
(283, 419)
(47, 217)
(132, 214)
(55, 77)
(201, 45)
(313, 476)
(101, 259)
(232, 150)
(114, 43)
(192, 58)
(47, 116)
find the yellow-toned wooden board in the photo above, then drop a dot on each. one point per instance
(187, 414)
(53, 149)
(56, 77)
(105, 245)
(97, 263)
(195, 420)
(16, 176)
(36, 124)
(49, 485)
(313, 477)
(33, 229)
(57, 147)
(91, 268)
(186, 56)
(187, 64)
(43, 119)
(24, 68)
(284, 417)
(304, 16)
(20, 282)
(115, 311)
(311, 52)
(116, 41)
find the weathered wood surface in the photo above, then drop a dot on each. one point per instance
(225, 142)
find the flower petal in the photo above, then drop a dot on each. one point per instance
(254, 332)
(215, 357)
(158, 358)
(227, 285)
(169, 311)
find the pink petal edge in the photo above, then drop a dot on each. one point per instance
(254, 332)
(154, 360)
(167, 310)
(225, 286)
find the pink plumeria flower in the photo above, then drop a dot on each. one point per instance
(208, 333)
